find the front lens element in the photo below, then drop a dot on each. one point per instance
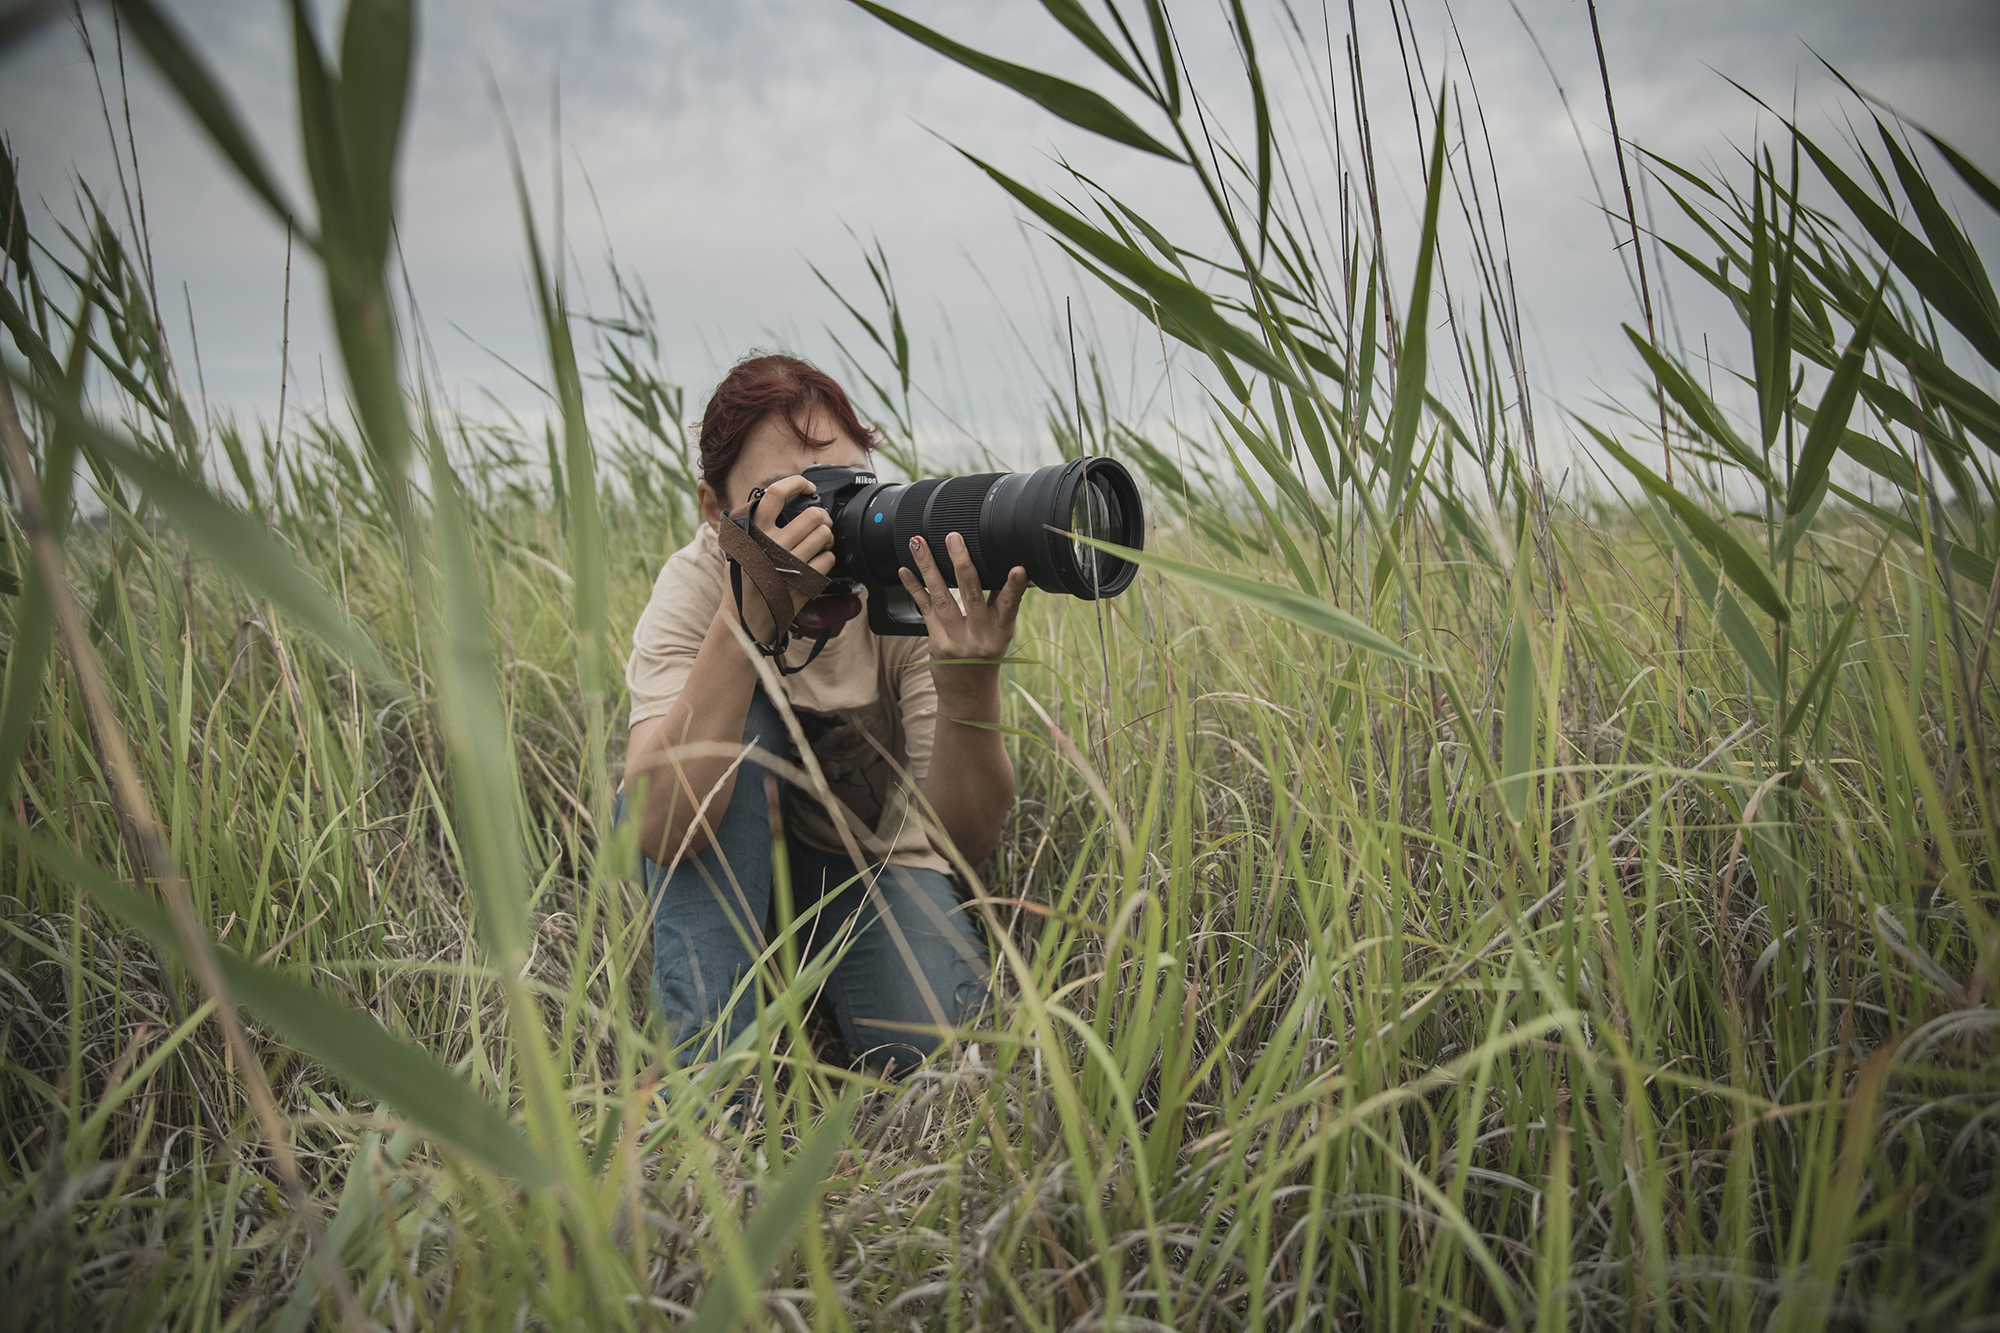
(1093, 514)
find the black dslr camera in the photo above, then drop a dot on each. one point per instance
(1006, 518)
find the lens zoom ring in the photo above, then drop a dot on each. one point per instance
(908, 516)
(955, 508)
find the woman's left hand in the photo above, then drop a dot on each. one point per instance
(983, 627)
(970, 785)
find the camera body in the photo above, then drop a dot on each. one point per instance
(1028, 519)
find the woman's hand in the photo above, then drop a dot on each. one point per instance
(971, 780)
(809, 537)
(983, 627)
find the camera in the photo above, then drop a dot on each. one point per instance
(1030, 519)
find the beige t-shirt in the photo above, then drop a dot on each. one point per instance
(859, 684)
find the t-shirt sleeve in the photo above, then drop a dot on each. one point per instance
(917, 699)
(671, 628)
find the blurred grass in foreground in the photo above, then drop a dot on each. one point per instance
(1406, 923)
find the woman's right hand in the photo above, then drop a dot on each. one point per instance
(808, 536)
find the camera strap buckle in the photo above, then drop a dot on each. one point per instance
(778, 576)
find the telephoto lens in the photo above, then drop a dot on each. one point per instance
(1030, 519)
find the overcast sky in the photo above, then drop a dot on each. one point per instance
(717, 146)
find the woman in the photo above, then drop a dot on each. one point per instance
(880, 714)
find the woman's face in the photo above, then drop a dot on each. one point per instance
(772, 452)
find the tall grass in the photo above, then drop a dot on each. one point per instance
(1403, 925)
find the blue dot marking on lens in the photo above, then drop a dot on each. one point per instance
(878, 518)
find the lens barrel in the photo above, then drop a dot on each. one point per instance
(1028, 519)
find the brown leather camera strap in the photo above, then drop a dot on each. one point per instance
(778, 576)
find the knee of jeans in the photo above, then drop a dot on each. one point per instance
(898, 1058)
(901, 1049)
(971, 996)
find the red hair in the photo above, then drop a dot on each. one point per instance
(758, 387)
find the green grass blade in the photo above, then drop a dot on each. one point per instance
(1933, 277)
(353, 1221)
(1828, 431)
(1699, 407)
(1517, 725)
(1193, 308)
(733, 1295)
(1517, 735)
(485, 778)
(1782, 301)
(1730, 616)
(1275, 525)
(1077, 105)
(1808, 1303)
(1171, 325)
(14, 241)
(319, 134)
(1163, 42)
(1692, 560)
(1952, 245)
(1829, 659)
(375, 54)
(1981, 183)
(1362, 389)
(1167, 249)
(15, 321)
(1072, 15)
(878, 268)
(867, 326)
(1552, 1251)
(1884, 460)
(352, 222)
(1300, 608)
(1306, 414)
(1250, 428)
(1977, 410)
(234, 540)
(204, 98)
(1965, 562)
(34, 615)
(579, 460)
(27, 666)
(1468, 528)
(1261, 112)
(1412, 364)
(1771, 390)
(1746, 569)
(351, 1044)
(1748, 643)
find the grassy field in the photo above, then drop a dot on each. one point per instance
(1430, 904)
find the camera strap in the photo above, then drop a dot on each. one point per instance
(778, 576)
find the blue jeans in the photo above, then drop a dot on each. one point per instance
(715, 909)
